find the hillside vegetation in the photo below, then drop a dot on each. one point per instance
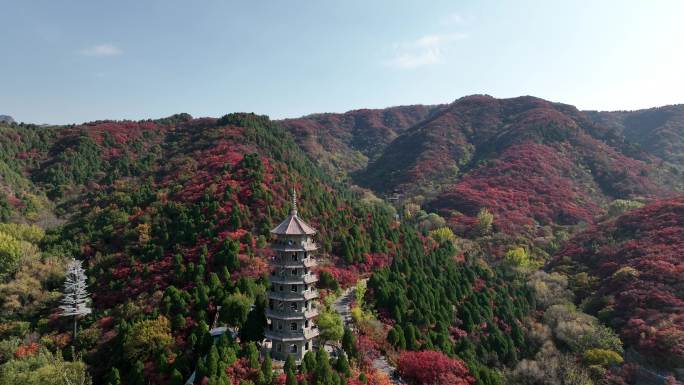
(521, 242)
(628, 272)
(531, 162)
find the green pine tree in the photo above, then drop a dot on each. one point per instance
(267, 369)
(176, 378)
(290, 365)
(114, 377)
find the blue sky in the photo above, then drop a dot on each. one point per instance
(74, 61)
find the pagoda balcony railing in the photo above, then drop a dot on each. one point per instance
(289, 264)
(293, 296)
(297, 246)
(310, 278)
(292, 335)
(288, 314)
(294, 279)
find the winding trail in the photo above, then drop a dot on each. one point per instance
(342, 305)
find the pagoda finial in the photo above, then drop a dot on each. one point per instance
(293, 210)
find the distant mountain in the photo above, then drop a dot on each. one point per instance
(628, 271)
(6, 119)
(530, 161)
(346, 142)
(660, 131)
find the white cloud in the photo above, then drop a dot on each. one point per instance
(423, 51)
(453, 19)
(102, 50)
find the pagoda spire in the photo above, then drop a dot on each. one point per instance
(293, 209)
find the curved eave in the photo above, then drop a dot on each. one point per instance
(293, 225)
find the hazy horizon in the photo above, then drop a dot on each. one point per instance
(310, 113)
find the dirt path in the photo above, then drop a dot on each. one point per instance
(342, 305)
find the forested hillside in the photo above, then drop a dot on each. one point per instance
(523, 242)
(628, 272)
(659, 131)
(346, 142)
(171, 218)
(531, 162)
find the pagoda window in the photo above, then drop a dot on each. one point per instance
(293, 348)
(294, 257)
(294, 271)
(306, 323)
(306, 345)
(282, 287)
(281, 306)
(280, 325)
(293, 305)
(293, 326)
(293, 288)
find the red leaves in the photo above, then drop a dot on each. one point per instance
(346, 277)
(647, 306)
(26, 350)
(240, 370)
(528, 184)
(430, 367)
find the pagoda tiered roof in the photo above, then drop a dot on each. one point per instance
(293, 224)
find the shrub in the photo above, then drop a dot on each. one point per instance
(549, 289)
(519, 257)
(331, 326)
(433, 368)
(442, 234)
(485, 219)
(602, 357)
(147, 338)
(235, 309)
(43, 368)
(327, 281)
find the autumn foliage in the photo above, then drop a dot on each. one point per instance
(429, 367)
(533, 163)
(637, 261)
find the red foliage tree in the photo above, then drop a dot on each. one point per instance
(638, 261)
(430, 367)
(26, 350)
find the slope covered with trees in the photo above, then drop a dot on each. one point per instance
(660, 130)
(346, 142)
(628, 272)
(531, 162)
(171, 218)
(437, 300)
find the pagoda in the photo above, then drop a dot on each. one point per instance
(292, 294)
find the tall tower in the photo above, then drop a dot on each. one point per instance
(292, 294)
